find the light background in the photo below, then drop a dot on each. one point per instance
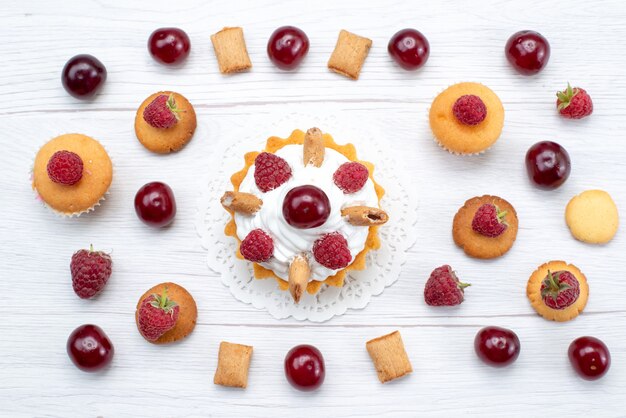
(39, 309)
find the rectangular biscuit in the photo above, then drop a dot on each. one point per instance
(389, 357)
(349, 54)
(230, 50)
(233, 362)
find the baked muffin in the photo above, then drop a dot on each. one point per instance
(72, 173)
(166, 313)
(466, 118)
(558, 291)
(485, 227)
(305, 211)
(165, 122)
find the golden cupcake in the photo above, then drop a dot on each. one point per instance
(165, 122)
(166, 313)
(72, 173)
(485, 227)
(466, 118)
(558, 291)
(305, 211)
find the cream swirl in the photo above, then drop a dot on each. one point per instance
(290, 241)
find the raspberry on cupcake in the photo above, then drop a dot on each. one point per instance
(72, 173)
(485, 227)
(165, 122)
(466, 118)
(558, 291)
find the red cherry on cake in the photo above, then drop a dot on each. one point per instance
(83, 76)
(498, 347)
(409, 48)
(89, 348)
(304, 367)
(560, 289)
(527, 51)
(287, 47)
(589, 357)
(306, 207)
(155, 204)
(548, 165)
(169, 45)
(65, 167)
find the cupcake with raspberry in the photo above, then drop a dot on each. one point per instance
(558, 291)
(485, 227)
(165, 122)
(71, 174)
(466, 118)
(305, 211)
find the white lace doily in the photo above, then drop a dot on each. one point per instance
(383, 265)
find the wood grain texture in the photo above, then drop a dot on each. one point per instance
(467, 41)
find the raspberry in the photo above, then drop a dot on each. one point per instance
(443, 288)
(162, 112)
(65, 167)
(574, 103)
(157, 314)
(489, 221)
(257, 246)
(351, 177)
(331, 251)
(560, 289)
(90, 272)
(469, 110)
(270, 171)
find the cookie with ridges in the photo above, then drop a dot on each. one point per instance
(187, 314)
(533, 291)
(165, 140)
(457, 137)
(592, 217)
(475, 244)
(90, 189)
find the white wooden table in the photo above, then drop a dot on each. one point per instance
(39, 309)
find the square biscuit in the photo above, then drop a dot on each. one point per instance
(230, 50)
(389, 357)
(349, 54)
(233, 363)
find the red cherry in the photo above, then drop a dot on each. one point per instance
(155, 204)
(409, 48)
(89, 348)
(287, 47)
(527, 51)
(169, 45)
(498, 347)
(589, 357)
(83, 76)
(306, 207)
(304, 367)
(548, 165)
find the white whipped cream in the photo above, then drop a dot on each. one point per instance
(290, 241)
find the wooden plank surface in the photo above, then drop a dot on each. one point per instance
(467, 42)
